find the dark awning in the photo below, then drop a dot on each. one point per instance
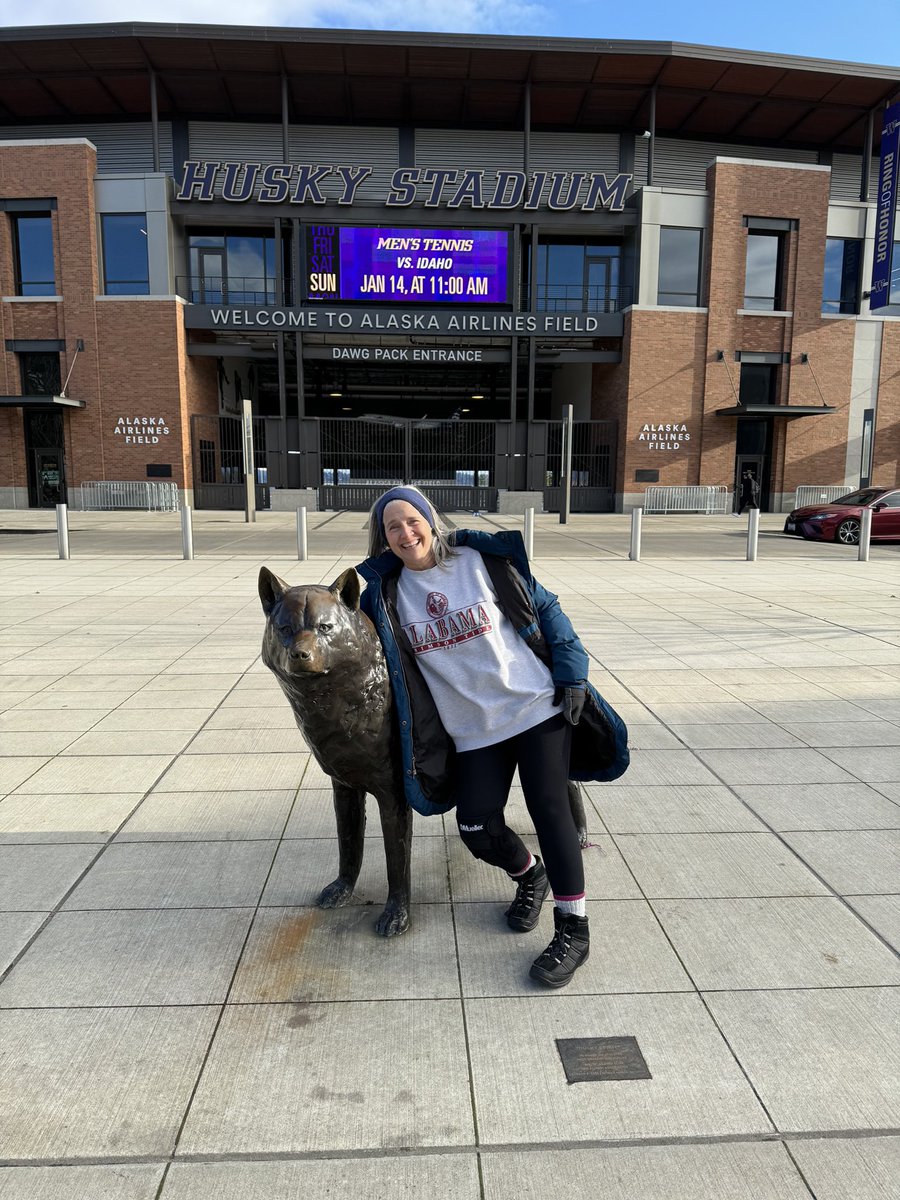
(40, 402)
(788, 412)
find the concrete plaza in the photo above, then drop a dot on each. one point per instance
(177, 1020)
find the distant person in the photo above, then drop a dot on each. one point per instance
(749, 495)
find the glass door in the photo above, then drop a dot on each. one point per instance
(49, 483)
(212, 280)
(601, 283)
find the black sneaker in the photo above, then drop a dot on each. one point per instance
(565, 954)
(524, 912)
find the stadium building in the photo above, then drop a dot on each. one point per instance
(406, 254)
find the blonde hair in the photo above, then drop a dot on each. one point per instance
(378, 543)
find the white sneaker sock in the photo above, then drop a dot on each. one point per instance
(571, 904)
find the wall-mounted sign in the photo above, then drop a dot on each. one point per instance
(407, 354)
(886, 209)
(141, 431)
(363, 320)
(416, 266)
(664, 437)
(432, 187)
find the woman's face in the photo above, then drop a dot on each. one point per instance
(409, 535)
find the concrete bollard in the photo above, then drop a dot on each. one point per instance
(529, 532)
(62, 529)
(865, 535)
(752, 534)
(302, 536)
(187, 533)
(634, 553)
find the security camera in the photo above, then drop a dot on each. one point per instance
(646, 134)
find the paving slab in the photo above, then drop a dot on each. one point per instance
(119, 773)
(686, 865)
(304, 866)
(326, 1077)
(787, 942)
(811, 806)
(98, 1082)
(73, 817)
(773, 766)
(864, 862)
(174, 875)
(629, 952)
(672, 808)
(664, 767)
(819, 1059)
(883, 767)
(741, 1171)
(234, 772)
(840, 1168)
(137, 720)
(208, 816)
(312, 954)
(119, 1182)
(15, 770)
(882, 913)
(420, 1177)
(696, 1089)
(37, 877)
(15, 930)
(156, 957)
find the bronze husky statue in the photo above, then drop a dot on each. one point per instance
(326, 655)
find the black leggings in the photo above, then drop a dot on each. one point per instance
(484, 778)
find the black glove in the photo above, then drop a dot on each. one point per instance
(571, 700)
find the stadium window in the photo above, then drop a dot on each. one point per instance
(764, 276)
(32, 236)
(840, 286)
(679, 266)
(126, 270)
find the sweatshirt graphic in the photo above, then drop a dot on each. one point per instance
(446, 629)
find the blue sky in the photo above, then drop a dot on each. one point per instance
(837, 29)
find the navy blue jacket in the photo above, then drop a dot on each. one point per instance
(426, 748)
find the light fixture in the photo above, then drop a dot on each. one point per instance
(720, 356)
(477, 396)
(335, 395)
(346, 408)
(465, 410)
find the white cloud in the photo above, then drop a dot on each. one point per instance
(460, 16)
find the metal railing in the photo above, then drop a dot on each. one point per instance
(150, 495)
(809, 493)
(564, 297)
(711, 500)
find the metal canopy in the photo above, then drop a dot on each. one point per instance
(102, 72)
(787, 411)
(40, 402)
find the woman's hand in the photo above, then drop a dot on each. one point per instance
(571, 700)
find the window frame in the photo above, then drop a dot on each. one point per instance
(698, 292)
(104, 258)
(849, 305)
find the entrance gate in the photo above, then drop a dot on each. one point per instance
(217, 451)
(462, 465)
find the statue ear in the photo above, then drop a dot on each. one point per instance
(346, 588)
(271, 589)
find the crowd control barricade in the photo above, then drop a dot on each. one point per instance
(712, 500)
(149, 495)
(819, 494)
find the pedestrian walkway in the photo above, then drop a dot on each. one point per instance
(178, 1020)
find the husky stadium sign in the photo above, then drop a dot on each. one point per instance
(431, 187)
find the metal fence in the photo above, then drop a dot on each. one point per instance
(712, 500)
(819, 493)
(150, 495)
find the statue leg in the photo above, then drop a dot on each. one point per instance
(350, 812)
(396, 828)
(576, 804)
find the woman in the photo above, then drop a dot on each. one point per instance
(488, 675)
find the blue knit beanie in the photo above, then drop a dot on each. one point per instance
(418, 501)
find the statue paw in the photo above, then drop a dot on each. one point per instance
(393, 921)
(335, 894)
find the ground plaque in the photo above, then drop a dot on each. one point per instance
(591, 1060)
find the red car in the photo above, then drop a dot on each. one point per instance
(839, 520)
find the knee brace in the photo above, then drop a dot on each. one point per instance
(492, 840)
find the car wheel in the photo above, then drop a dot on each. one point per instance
(848, 532)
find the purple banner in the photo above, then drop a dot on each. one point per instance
(407, 266)
(886, 209)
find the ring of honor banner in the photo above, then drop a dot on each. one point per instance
(406, 266)
(886, 209)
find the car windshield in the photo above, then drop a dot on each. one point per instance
(863, 496)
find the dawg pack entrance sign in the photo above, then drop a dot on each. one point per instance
(432, 187)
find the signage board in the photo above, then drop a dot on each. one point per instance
(407, 266)
(886, 210)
